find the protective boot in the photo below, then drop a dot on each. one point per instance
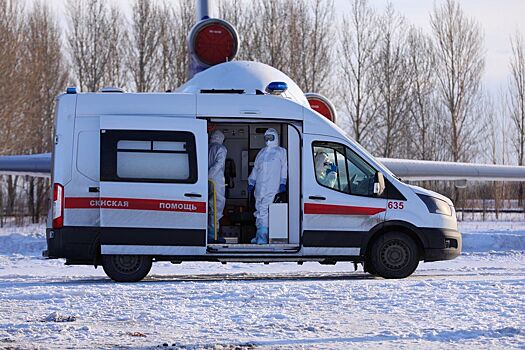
(265, 235)
(261, 236)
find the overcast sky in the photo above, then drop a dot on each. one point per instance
(498, 20)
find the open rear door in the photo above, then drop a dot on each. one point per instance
(153, 185)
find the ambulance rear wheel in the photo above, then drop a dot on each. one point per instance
(394, 255)
(126, 268)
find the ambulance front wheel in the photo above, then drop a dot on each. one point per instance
(126, 268)
(394, 255)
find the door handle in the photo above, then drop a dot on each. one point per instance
(94, 189)
(194, 195)
(318, 198)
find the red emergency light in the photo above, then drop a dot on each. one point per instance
(214, 41)
(321, 105)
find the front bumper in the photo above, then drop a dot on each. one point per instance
(442, 244)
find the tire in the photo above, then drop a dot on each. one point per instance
(126, 268)
(394, 255)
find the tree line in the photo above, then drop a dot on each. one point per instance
(400, 91)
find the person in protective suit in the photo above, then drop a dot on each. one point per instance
(268, 178)
(216, 160)
(325, 170)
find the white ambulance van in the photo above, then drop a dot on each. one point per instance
(130, 186)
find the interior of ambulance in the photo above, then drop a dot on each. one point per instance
(243, 142)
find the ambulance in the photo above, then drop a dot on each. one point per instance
(130, 182)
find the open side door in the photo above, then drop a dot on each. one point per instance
(153, 185)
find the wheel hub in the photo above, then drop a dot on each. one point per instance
(127, 263)
(395, 255)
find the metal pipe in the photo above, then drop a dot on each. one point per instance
(203, 9)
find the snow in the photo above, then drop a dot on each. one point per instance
(475, 301)
(493, 236)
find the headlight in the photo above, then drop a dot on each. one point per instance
(435, 205)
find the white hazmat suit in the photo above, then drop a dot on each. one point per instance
(325, 171)
(269, 176)
(216, 160)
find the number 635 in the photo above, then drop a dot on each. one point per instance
(396, 205)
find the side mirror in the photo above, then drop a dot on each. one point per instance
(379, 184)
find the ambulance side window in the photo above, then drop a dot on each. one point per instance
(148, 156)
(325, 156)
(341, 169)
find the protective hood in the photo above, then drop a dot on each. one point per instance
(217, 137)
(275, 141)
(320, 160)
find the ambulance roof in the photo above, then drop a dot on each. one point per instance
(206, 95)
(246, 76)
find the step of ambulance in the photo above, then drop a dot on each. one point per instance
(250, 248)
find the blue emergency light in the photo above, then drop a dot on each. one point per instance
(71, 90)
(276, 87)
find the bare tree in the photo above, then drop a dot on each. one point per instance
(115, 73)
(392, 73)
(292, 36)
(47, 72)
(516, 98)
(298, 30)
(46, 76)
(273, 17)
(166, 49)
(359, 37)
(144, 56)
(491, 130)
(314, 46)
(244, 17)
(177, 21)
(424, 130)
(493, 137)
(89, 39)
(516, 94)
(459, 64)
(11, 94)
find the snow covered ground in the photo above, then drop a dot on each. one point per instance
(475, 301)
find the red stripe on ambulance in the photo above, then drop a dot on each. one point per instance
(135, 204)
(332, 209)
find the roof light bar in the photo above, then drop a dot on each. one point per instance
(276, 87)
